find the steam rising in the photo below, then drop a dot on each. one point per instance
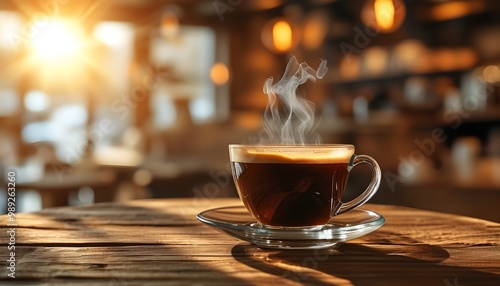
(289, 117)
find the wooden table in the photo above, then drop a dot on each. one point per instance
(160, 242)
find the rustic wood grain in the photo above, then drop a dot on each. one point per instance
(160, 242)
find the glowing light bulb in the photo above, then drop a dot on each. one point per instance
(282, 36)
(279, 35)
(384, 13)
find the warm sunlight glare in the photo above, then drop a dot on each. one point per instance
(57, 39)
(113, 34)
(282, 36)
(384, 13)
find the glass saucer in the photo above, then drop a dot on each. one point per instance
(237, 222)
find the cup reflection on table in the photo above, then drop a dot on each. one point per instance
(297, 186)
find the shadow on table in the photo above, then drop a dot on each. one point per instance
(125, 245)
(401, 262)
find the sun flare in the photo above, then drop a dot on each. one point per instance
(62, 54)
(57, 39)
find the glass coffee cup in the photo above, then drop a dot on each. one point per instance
(297, 186)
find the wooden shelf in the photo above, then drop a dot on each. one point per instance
(490, 114)
(389, 78)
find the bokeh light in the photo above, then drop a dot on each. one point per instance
(279, 35)
(384, 16)
(219, 73)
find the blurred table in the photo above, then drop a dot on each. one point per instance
(128, 162)
(151, 176)
(160, 242)
(55, 187)
(106, 173)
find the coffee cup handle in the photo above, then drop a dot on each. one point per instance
(370, 190)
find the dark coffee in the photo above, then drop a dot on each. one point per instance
(290, 194)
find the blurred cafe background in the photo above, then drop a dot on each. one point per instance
(113, 100)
